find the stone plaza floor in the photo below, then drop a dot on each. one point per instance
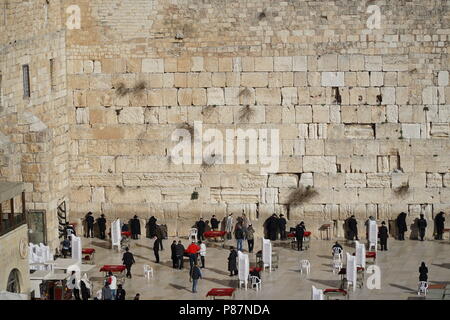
(399, 270)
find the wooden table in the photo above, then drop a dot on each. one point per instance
(119, 269)
(221, 292)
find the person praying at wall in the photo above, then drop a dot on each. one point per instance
(440, 223)
(401, 226)
(229, 226)
(90, 225)
(353, 228)
(422, 225)
(214, 223)
(135, 226)
(200, 229)
(101, 222)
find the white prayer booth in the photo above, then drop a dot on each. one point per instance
(267, 254)
(76, 249)
(243, 269)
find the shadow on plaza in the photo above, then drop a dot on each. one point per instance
(231, 283)
(224, 273)
(442, 265)
(104, 245)
(407, 290)
(328, 283)
(178, 287)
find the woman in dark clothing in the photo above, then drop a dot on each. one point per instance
(135, 226)
(440, 223)
(232, 262)
(120, 293)
(423, 272)
(85, 294)
(401, 225)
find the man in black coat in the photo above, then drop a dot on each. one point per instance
(401, 226)
(352, 226)
(179, 250)
(90, 225)
(152, 227)
(282, 227)
(272, 227)
(299, 233)
(156, 249)
(214, 223)
(128, 261)
(440, 222)
(200, 229)
(101, 222)
(384, 235)
(135, 226)
(173, 256)
(422, 225)
(232, 262)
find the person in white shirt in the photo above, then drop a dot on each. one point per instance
(229, 226)
(112, 284)
(73, 284)
(202, 252)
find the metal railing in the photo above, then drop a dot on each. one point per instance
(9, 225)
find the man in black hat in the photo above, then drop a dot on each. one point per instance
(90, 225)
(102, 226)
(384, 235)
(401, 226)
(135, 225)
(422, 225)
(440, 222)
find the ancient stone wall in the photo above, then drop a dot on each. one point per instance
(362, 111)
(34, 130)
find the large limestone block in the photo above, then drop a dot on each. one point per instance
(300, 63)
(263, 63)
(289, 95)
(434, 180)
(268, 96)
(215, 96)
(355, 131)
(283, 181)
(319, 164)
(373, 63)
(254, 79)
(332, 79)
(327, 62)
(131, 116)
(364, 164)
(153, 65)
(269, 195)
(355, 180)
(283, 64)
(411, 130)
(132, 195)
(378, 180)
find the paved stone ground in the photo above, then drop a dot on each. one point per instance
(399, 270)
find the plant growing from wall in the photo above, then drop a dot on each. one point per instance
(402, 190)
(139, 87)
(121, 89)
(301, 195)
(194, 195)
(246, 113)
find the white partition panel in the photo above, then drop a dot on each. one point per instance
(351, 270)
(267, 253)
(373, 234)
(243, 268)
(76, 249)
(115, 233)
(317, 294)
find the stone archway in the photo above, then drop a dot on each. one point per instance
(14, 281)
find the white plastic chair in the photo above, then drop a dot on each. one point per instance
(255, 282)
(304, 264)
(147, 271)
(423, 288)
(372, 246)
(193, 234)
(337, 254)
